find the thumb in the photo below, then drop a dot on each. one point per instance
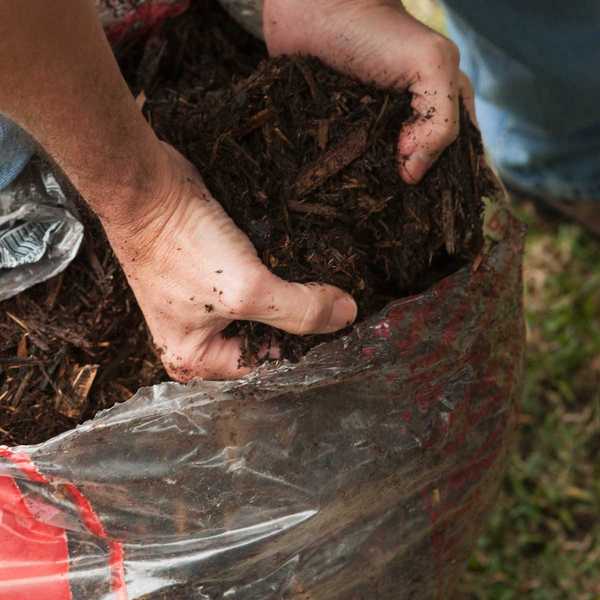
(302, 309)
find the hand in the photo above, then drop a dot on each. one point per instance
(378, 41)
(193, 272)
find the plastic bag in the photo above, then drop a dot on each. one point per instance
(362, 472)
(248, 13)
(124, 19)
(39, 235)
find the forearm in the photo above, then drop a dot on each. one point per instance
(59, 80)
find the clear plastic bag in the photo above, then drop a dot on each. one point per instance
(362, 472)
(39, 234)
(248, 13)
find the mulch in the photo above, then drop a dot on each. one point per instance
(322, 200)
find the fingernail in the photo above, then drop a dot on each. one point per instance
(343, 314)
(417, 165)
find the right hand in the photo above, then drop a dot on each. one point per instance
(193, 272)
(379, 41)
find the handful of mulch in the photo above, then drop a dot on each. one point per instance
(305, 162)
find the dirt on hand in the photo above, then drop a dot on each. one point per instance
(305, 162)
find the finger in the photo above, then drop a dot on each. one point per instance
(435, 123)
(303, 309)
(468, 95)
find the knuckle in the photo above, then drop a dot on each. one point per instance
(465, 83)
(452, 53)
(445, 51)
(442, 54)
(315, 316)
(240, 295)
(446, 133)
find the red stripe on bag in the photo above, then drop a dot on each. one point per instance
(143, 20)
(94, 525)
(89, 518)
(24, 464)
(34, 556)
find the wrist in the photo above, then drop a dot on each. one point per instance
(312, 28)
(128, 189)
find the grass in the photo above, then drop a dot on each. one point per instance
(543, 540)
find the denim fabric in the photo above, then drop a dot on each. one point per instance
(16, 148)
(535, 66)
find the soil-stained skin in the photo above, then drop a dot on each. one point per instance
(305, 161)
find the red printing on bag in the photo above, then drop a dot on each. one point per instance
(40, 548)
(33, 555)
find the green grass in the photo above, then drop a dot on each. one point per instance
(542, 540)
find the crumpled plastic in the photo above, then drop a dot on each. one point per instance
(39, 233)
(363, 471)
(125, 19)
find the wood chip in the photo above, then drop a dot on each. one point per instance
(321, 210)
(16, 362)
(477, 263)
(22, 351)
(256, 121)
(90, 254)
(21, 389)
(353, 146)
(83, 381)
(323, 133)
(140, 100)
(54, 287)
(18, 321)
(309, 78)
(448, 222)
(73, 404)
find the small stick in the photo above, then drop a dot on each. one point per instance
(353, 146)
(448, 222)
(309, 208)
(256, 121)
(309, 78)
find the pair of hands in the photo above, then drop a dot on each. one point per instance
(184, 254)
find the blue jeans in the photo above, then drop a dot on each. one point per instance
(535, 66)
(16, 148)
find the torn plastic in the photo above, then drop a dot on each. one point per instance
(39, 234)
(363, 471)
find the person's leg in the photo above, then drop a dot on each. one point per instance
(534, 66)
(16, 148)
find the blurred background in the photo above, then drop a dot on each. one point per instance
(542, 540)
